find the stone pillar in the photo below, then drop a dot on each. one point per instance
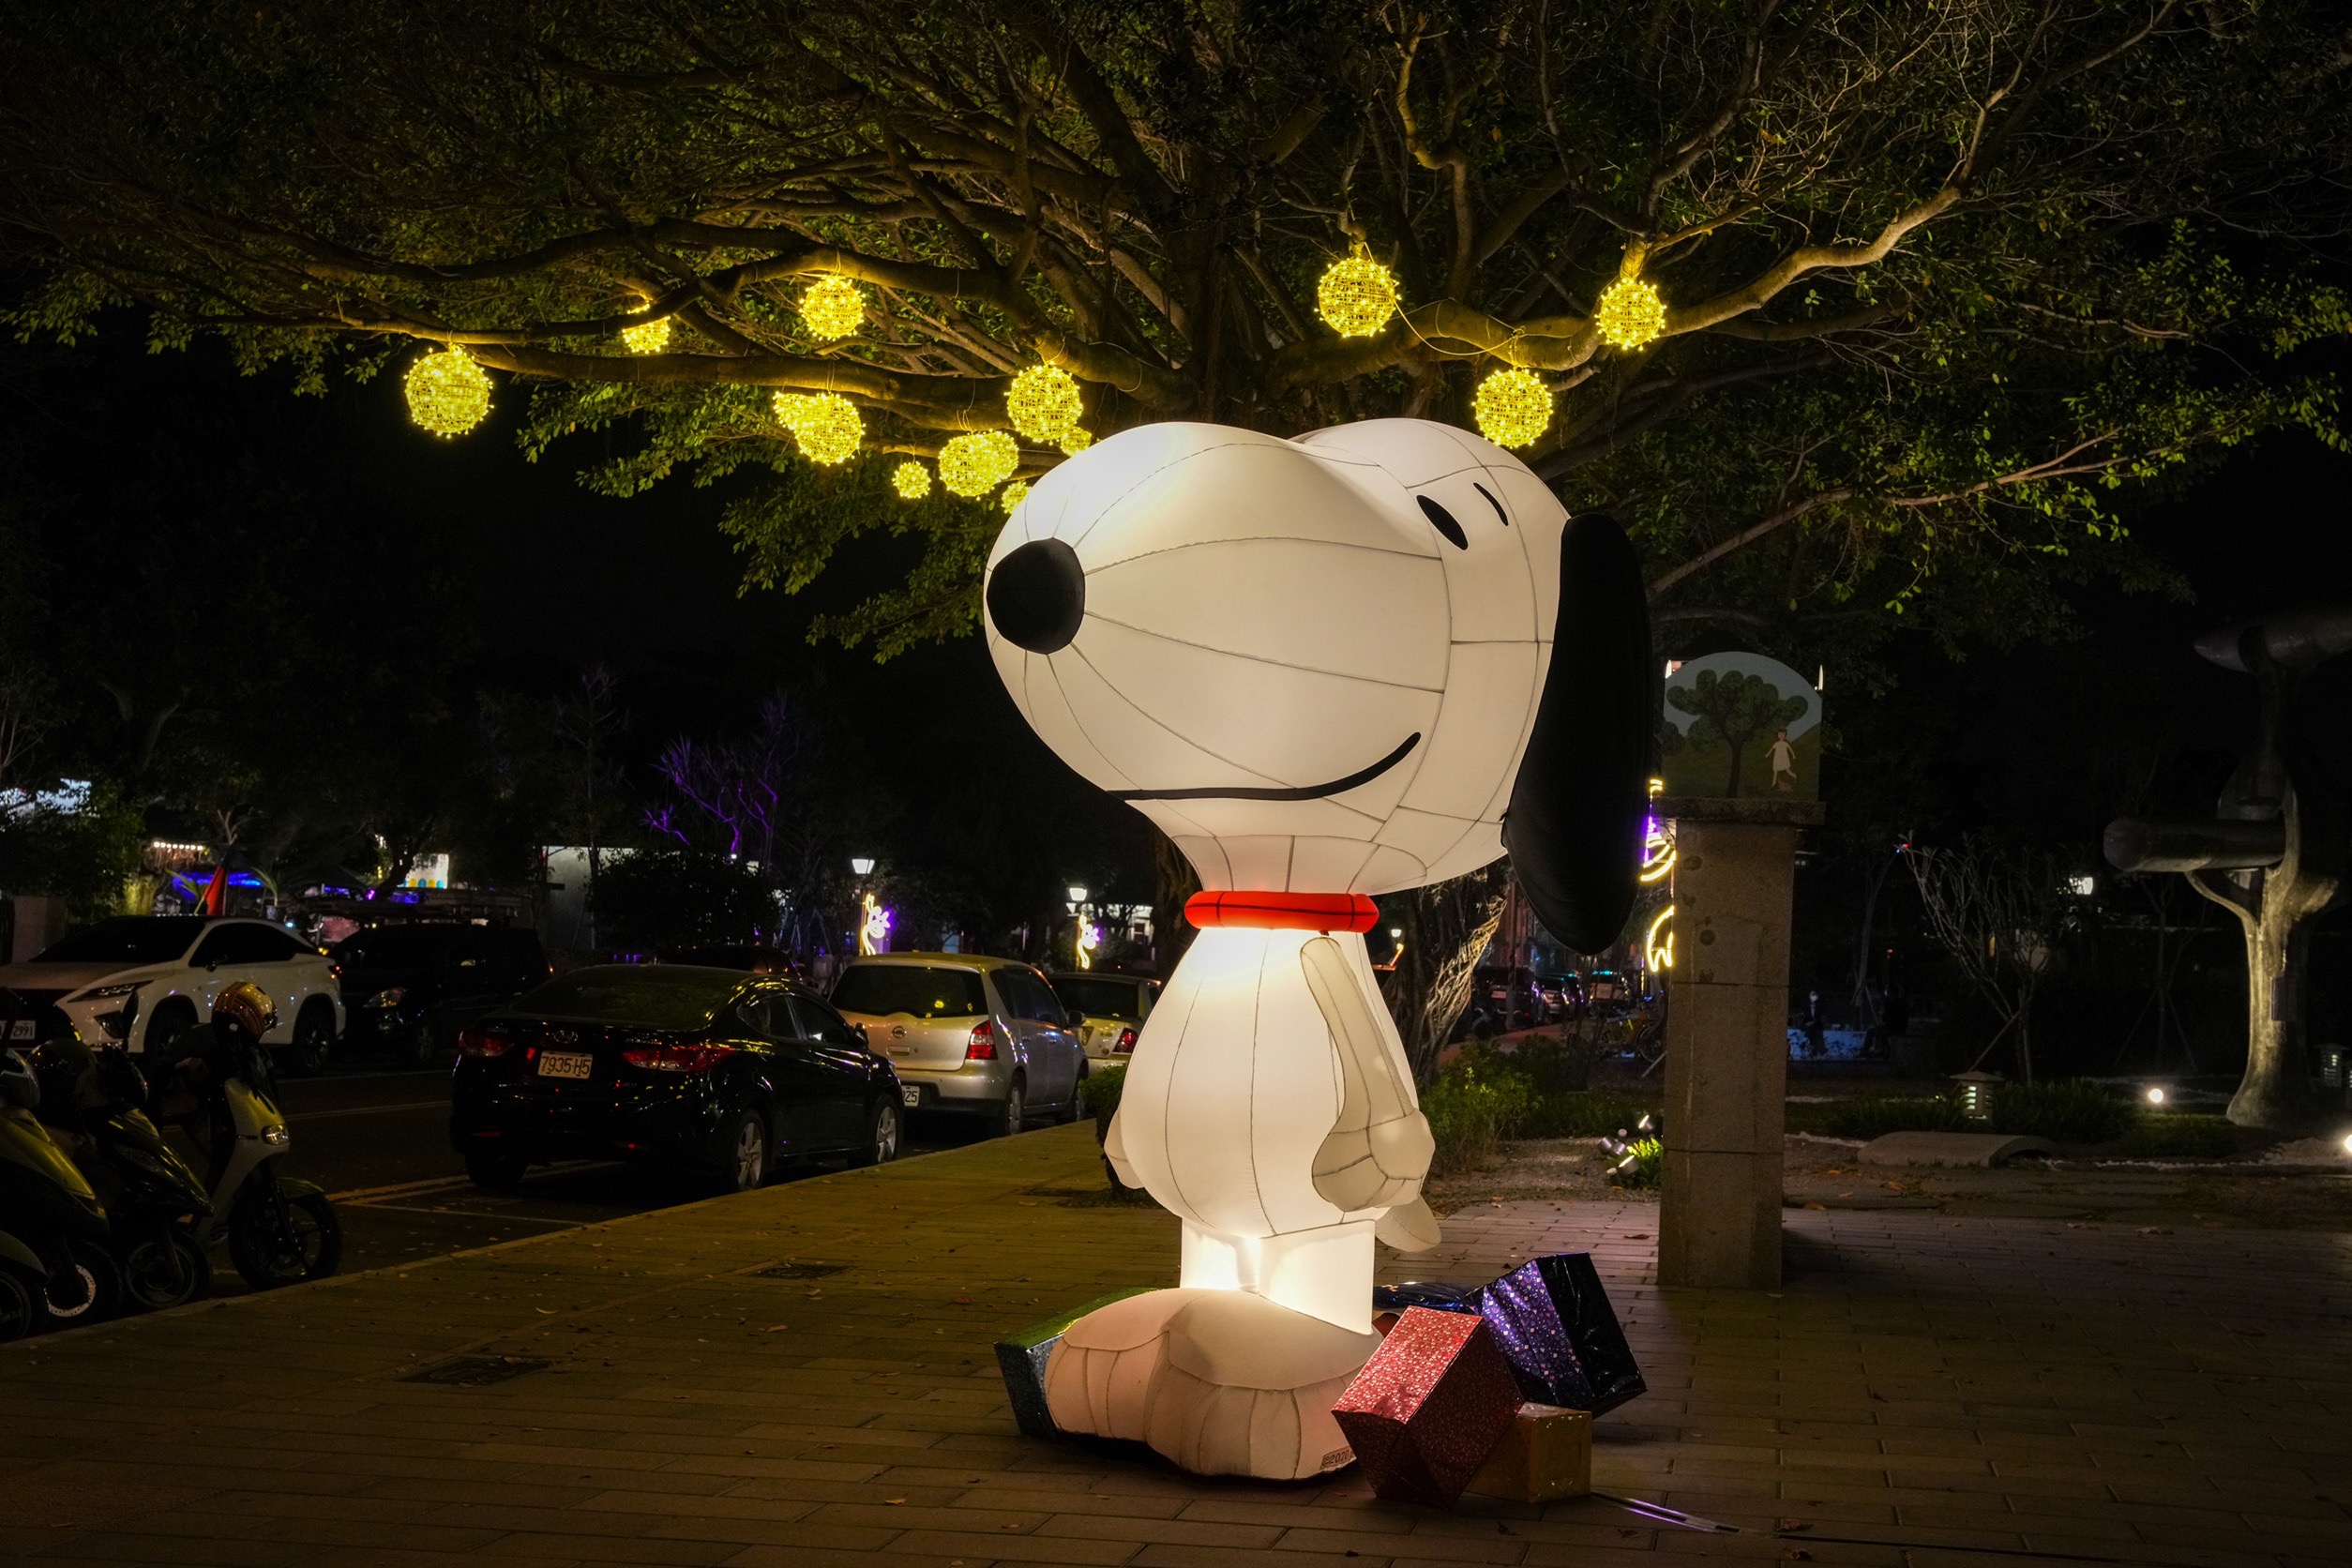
(1726, 1065)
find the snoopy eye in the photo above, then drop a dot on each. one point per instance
(1442, 521)
(1492, 501)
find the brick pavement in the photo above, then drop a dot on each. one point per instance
(1927, 1391)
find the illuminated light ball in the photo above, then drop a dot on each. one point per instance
(790, 406)
(911, 480)
(1630, 313)
(828, 428)
(2156, 1096)
(447, 392)
(1014, 493)
(1356, 296)
(1076, 440)
(976, 464)
(647, 336)
(1514, 407)
(1043, 403)
(833, 307)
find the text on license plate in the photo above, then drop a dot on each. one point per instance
(559, 1063)
(21, 1029)
(909, 1093)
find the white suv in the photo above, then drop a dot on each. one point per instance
(173, 966)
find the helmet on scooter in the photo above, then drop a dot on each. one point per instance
(248, 1007)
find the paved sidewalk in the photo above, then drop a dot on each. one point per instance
(1928, 1390)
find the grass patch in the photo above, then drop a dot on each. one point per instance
(2069, 1111)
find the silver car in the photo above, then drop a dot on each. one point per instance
(979, 1036)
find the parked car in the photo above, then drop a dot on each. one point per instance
(173, 965)
(1563, 994)
(973, 1036)
(1111, 1008)
(416, 987)
(748, 956)
(1500, 1000)
(717, 1070)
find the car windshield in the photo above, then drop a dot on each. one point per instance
(1101, 999)
(879, 990)
(134, 938)
(396, 946)
(656, 996)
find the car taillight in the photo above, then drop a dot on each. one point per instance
(982, 1045)
(1126, 1040)
(677, 1058)
(479, 1042)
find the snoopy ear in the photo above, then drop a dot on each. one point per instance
(1573, 829)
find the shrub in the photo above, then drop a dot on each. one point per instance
(1098, 1095)
(650, 897)
(2165, 1134)
(1878, 1115)
(2072, 1112)
(1582, 1115)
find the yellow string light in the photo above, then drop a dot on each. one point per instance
(1043, 403)
(911, 480)
(647, 336)
(1630, 313)
(1014, 493)
(1514, 407)
(447, 392)
(833, 307)
(1075, 440)
(1356, 296)
(976, 464)
(826, 425)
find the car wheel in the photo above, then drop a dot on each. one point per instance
(743, 1152)
(1069, 1111)
(313, 1039)
(1012, 1114)
(495, 1170)
(882, 1134)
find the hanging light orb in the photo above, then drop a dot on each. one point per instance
(1076, 440)
(1043, 403)
(827, 426)
(647, 336)
(1356, 296)
(447, 392)
(976, 464)
(1514, 407)
(911, 480)
(833, 307)
(1630, 313)
(1014, 493)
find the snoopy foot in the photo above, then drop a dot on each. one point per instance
(1222, 1383)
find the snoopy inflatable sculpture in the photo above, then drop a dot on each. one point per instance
(1366, 659)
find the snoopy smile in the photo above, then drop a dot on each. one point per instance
(1307, 791)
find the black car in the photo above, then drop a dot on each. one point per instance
(412, 988)
(720, 1071)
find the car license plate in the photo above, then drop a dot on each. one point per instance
(909, 1093)
(21, 1029)
(559, 1064)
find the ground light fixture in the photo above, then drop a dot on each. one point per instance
(1976, 1094)
(2347, 1143)
(2155, 1094)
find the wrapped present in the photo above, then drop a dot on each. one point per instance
(1023, 1359)
(1429, 1405)
(1546, 1454)
(1422, 1292)
(1554, 1323)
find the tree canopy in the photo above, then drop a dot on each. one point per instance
(1943, 280)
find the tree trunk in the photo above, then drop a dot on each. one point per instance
(2275, 1090)
(1447, 927)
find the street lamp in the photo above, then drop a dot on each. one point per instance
(862, 864)
(1078, 893)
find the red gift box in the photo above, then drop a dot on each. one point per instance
(1429, 1405)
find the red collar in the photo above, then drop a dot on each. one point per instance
(1284, 911)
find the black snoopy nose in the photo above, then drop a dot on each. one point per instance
(1037, 596)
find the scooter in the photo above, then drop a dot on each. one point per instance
(54, 1252)
(91, 1101)
(280, 1231)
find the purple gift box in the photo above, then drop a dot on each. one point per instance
(1556, 1327)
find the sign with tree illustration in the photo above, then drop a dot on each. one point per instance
(1741, 724)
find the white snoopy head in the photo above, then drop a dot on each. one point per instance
(1313, 664)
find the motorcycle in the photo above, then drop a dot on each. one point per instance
(92, 1102)
(280, 1231)
(53, 1254)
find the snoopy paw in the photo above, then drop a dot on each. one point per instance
(1372, 1168)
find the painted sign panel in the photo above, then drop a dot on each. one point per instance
(1741, 724)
